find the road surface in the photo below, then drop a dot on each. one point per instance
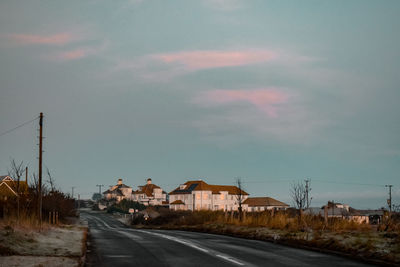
(113, 244)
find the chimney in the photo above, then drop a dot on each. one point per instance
(149, 181)
(119, 181)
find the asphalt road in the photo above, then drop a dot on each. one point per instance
(113, 244)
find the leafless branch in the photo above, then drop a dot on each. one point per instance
(299, 195)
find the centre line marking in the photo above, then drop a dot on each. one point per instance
(229, 259)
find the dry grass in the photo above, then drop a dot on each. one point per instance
(340, 235)
(49, 241)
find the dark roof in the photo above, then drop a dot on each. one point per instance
(177, 202)
(118, 192)
(146, 189)
(200, 185)
(331, 211)
(264, 201)
(115, 191)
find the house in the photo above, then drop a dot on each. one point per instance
(198, 195)
(10, 190)
(119, 192)
(262, 204)
(150, 194)
(338, 210)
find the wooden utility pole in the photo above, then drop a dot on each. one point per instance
(308, 189)
(389, 201)
(40, 167)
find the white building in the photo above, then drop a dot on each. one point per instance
(119, 192)
(198, 195)
(150, 195)
(263, 203)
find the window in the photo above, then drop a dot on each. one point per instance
(205, 196)
(198, 196)
(222, 196)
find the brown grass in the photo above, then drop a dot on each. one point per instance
(339, 235)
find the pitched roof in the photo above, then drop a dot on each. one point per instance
(146, 189)
(9, 187)
(116, 191)
(264, 201)
(2, 177)
(200, 185)
(177, 202)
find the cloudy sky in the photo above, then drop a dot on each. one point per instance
(270, 91)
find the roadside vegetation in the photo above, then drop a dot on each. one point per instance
(124, 205)
(23, 209)
(374, 242)
(56, 240)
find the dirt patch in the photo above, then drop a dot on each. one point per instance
(37, 261)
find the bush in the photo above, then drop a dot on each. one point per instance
(124, 205)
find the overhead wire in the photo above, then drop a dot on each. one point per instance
(17, 127)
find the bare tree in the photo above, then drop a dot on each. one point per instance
(50, 181)
(16, 172)
(298, 193)
(239, 197)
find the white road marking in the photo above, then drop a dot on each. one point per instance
(187, 243)
(229, 259)
(101, 221)
(130, 235)
(190, 244)
(118, 256)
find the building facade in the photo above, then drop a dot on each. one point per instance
(150, 194)
(253, 204)
(118, 192)
(198, 195)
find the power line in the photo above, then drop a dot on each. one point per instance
(339, 182)
(19, 126)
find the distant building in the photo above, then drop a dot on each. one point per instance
(150, 194)
(344, 211)
(10, 190)
(198, 195)
(262, 204)
(118, 192)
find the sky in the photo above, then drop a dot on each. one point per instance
(273, 92)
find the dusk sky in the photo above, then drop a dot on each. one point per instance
(271, 91)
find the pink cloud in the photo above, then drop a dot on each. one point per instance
(195, 60)
(55, 39)
(77, 53)
(265, 100)
(73, 54)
